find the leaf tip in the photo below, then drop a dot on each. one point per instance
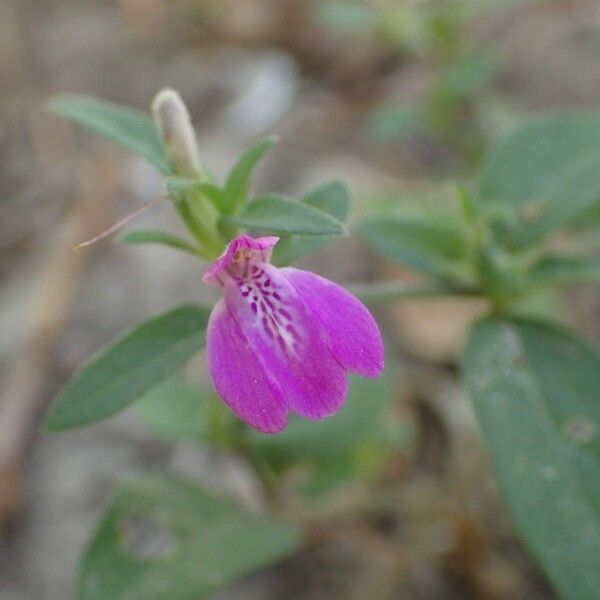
(51, 424)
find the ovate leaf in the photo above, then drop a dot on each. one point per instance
(538, 154)
(332, 198)
(131, 129)
(567, 200)
(546, 173)
(563, 270)
(142, 236)
(125, 370)
(536, 392)
(164, 537)
(238, 182)
(427, 243)
(274, 214)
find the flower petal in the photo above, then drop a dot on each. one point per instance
(353, 335)
(239, 253)
(288, 342)
(239, 377)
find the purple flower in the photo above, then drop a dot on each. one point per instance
(282, 339)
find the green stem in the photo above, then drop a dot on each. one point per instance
(200, 218)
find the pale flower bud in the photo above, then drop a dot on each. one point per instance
(173, 121)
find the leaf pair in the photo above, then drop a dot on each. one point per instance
(137, 133)
(303, 226)
(543, 178)
(320, 213)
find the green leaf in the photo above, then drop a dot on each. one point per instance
(131, 129)
(127, 369)
(274, 214)
(238, 182)
(142, 236)
(547, 171)
(332, 198)
(176, 186)
(545, 304)
(575, 195)
(164, 537)
(535, 390)
(431, 244)
(562, 270)
(176, 410)
(537, 154)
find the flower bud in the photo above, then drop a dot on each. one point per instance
(173, 121)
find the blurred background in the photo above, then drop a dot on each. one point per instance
(394, 97)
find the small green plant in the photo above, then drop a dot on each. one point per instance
(528, 226)
(518, 230)
(280, 341)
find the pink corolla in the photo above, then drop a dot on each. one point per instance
(282, 339)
